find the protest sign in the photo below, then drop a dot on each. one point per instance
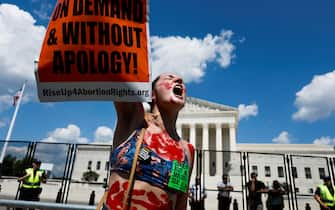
(96, 50)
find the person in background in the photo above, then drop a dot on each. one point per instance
(255, 189)
(325, 194)
(197, 195)
(92, 198)
(31, 182)
(235, 204)
(307, 206)
(224, 188)
(275, 199)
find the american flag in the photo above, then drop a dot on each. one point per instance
(16, 97)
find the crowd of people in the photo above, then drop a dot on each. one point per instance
(255, 187)
(324, 195)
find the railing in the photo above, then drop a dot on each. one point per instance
(299, 174)
(42, 205)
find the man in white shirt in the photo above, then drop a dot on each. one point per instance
(224, 188)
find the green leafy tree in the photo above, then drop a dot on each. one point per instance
(20, 166)
(13, 167)
(8, 165)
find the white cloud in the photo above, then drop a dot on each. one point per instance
(283, 138)
(2, 124)
(316, 100)
(188, 57)
(325, 140)
(5, 102)
(103, 134)
(43, 9)
(245, 111)
(16, 150)
(242, 40)
(20, 44)
(70, 134)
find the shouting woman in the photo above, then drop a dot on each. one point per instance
(164, 161)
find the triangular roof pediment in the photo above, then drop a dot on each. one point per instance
(199, 105)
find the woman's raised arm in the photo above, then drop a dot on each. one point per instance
(130, 116)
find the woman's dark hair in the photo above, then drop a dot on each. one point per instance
(153, 84)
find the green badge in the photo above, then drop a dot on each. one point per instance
(179, 176)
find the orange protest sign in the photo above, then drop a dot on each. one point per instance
(96, 50)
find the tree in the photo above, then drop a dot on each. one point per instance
(20, 166)
(90, 176)
(7, 165)
(14, 167)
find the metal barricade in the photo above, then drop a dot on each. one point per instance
(42, 205)
(298, 174)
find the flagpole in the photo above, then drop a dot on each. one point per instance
(10, 129)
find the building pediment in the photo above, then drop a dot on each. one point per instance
(198, 105)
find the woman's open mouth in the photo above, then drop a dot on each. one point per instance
(178, 90)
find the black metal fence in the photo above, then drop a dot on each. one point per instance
(66, 164)
(299, 175)
(66, 183)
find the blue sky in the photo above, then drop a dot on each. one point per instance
(274, 60)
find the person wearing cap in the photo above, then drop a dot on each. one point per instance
(31, 182)
(325, 194)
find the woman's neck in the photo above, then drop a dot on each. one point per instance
(166, 122)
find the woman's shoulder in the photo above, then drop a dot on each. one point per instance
(189, 147)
